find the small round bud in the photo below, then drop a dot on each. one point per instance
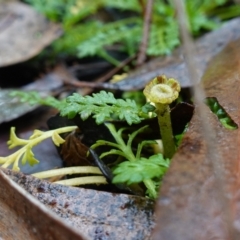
(162, 90)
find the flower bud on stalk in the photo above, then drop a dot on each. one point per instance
(162, 91)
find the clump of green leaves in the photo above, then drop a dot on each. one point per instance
(134, 168)
(206, 15)
(92, 36)
(144, 168)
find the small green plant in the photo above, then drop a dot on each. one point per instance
(132, 167)
(25, 153)
(136, 169)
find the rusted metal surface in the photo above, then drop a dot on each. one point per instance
(23, 217)
(98, 215)
(190, 205)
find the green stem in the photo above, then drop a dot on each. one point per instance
(164, 121)
(127, 150)
(151, 188)
(108, 58)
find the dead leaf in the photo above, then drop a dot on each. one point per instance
(23, 217)
(23, 32)
(192, 205)
(98, 215)
(74, 152)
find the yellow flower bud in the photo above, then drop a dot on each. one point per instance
(162, 90)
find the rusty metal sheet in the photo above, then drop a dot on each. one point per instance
(96, 214)
(190, 204)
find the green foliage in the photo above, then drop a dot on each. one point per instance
(103, 106)
(130, 5)
(206, 15)
(143, 168)
(107, 34)
(197, 13)
(91, 38)
(164, 35)
(68, 12)
(163, 40)
(120, 147)
(137, 96)
(33, 98)
(134, 169)
(51, 9)
(73, 36)
(87, 35)
(228, 12)
(222, 115)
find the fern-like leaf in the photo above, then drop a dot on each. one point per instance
(140, 170)
(109, 34)
(163, 40)
(102, 106)
(33, 97)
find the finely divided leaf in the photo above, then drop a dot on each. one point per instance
(135, 172)
(109, 33)
(102, 106)
(33, 98)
